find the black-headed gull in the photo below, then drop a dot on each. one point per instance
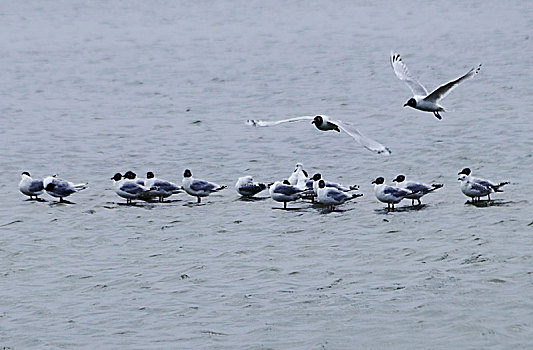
(472, 189)
(246, 186)
(60, 188)
(162, 188)
(130, 175)
(324, 123)
(128, 188)
(285, 192)
(419, 189)
(389, 194)
(494, 187)
(30, 187)
(198, 188)
(331, 196)
(421, 100)
(317, 177)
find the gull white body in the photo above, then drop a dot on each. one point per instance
(246, 186)
(332, 197)
(422, 100)
(418, 189)
(472, 189)
(31, 187)
(389, 194)
(281, 192)
(199, 188)
(324, 123)
(161, 188)
(129, 189)
(60, 188)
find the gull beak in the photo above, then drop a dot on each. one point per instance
(373, 182)
(459, 173)
(405, 105)
(459, 179)
(313, 122)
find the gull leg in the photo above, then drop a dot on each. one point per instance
(199, 199)
(437, 115)
(488, 196)
(284, 205)
(419, 202)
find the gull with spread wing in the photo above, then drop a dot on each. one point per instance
(324, 123)
(421, 99)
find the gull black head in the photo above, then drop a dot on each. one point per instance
(316, 177)
(410, 103)
(117, 177)
(465, 171)
(318, 120)
(378, 181)
(399, 178)
(187, 173)
(321, 184)
(150, 175)
(50, 186)
(26, 173)
(286, 182)
(130, 175)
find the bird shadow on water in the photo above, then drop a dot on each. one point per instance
(401, 209)
(42, 200)
(487, 203)
(64, 201)
(251, 199)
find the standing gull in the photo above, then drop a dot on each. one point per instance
(285, 192)
(472, 189)
(419, 189)
(198, 188)
(128, 188)
(30, 187)
(389, 194)
(324, 123)
(163, 188)
(60, 188)
(494, 187)
(332, 196)
(421, 99)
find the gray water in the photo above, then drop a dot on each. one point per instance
(94, 88)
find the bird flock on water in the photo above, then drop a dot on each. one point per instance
(298, 186)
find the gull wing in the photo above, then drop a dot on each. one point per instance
(366, 142)
(443, 90)
(257, 122)
(401, 71)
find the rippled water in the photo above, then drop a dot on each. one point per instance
(90, 89)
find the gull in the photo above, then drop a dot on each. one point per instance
(246, 186)
(486, 183)
(128, 188)
(419, 189)
(163, 188)
(389, 194)
(421, 99)
(324, 123)
(299, 175)
(332, 196)
(198, 188)
(317, 177)
(130, 175)
(285, 192)
(30, 187)
(473, 189)
(60, 188)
